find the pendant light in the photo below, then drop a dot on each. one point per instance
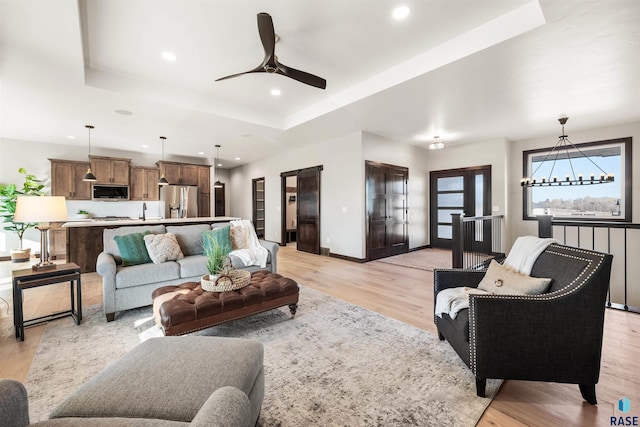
(436, 144)
(217, 184)
(89, 176)
(565, 150)
(163, 180)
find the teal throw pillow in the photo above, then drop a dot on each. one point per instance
(132, 249)
(217, 241)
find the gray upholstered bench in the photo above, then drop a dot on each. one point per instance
(169, 381)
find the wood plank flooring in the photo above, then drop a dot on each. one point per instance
(405, 294)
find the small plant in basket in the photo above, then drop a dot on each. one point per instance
(215, 253)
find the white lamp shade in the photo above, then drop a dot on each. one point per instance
(40, 209)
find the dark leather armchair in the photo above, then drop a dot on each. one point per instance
(555, 336)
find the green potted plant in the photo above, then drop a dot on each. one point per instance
(8, 197)
(216, 254)
(82, 214)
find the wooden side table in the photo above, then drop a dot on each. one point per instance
(28, 278)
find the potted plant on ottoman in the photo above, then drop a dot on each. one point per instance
(8, 196)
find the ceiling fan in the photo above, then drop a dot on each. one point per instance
(270, 63)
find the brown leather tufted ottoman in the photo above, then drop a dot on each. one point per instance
(187, 308)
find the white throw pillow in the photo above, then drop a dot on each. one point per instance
(163, 247)
(503, 280)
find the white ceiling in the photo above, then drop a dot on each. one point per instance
(461, 69)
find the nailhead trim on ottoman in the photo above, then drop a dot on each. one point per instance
(197, 309)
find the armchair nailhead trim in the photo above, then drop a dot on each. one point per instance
(593, 264)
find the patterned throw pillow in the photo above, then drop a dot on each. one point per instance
(132, 248)
(219, 237)
(505, 281)
(163, 247)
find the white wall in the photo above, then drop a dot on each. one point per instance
(341, 191)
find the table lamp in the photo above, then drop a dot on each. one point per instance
(41, 209)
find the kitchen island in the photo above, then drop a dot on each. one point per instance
(84, 238)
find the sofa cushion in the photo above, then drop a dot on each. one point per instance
(189, 237)
(132, 248)
(108, 235)
(194, 265)
(157, 380)
(505, 281)
(143, 274)
(163, 247)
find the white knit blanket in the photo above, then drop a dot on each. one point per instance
(525, 252)
(451, 301)
(252, 252)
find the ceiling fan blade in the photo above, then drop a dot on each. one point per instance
(255, 70)
(302, 76)
(267, 35)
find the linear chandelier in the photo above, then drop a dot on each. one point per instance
(570, 179)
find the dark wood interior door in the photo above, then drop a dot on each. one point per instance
(387, 210)
(219, 201)
(308, 210)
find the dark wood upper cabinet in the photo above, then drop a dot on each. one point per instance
(110, 170)
(66, 179)
(144, 183)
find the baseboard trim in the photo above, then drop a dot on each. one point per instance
(347, 258)
(419, 248)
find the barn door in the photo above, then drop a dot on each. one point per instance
(308, 208)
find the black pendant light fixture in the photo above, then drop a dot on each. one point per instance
(217, 184)
(163, 180)
(565, 150)
(89, 176)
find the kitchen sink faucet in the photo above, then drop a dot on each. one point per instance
(144, 211)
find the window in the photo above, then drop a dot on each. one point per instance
(602, 202)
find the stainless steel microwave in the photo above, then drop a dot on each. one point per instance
(109, 192)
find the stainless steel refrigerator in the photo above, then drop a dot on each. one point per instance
(180, 201)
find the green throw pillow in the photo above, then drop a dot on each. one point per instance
(132, 249)
(217, 237)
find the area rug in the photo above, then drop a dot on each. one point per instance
(424, 259)
(335, 364)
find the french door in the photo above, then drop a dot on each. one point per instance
(387, 210)
(458, 191)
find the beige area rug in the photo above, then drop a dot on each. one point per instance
(335, 364)
(424, 259)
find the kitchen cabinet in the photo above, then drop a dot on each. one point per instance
(57, 240)
(190, 174)
(144, 183)
(204, 205)
(66, 179)
(181, 173)
(204, 180)
(110, 170)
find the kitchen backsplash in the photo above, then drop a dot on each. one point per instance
(132, 209)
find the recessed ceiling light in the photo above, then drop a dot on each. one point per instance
(71, 137)
(144, 146)
(237, 158)
(275, 92)
(201, 152)
(400, 12)
(168, 56)
(219, 165)
(246, 135)
(123, 112)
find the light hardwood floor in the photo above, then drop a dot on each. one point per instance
(407, 295)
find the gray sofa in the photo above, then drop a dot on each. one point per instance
(152, 386)
(129, 287)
